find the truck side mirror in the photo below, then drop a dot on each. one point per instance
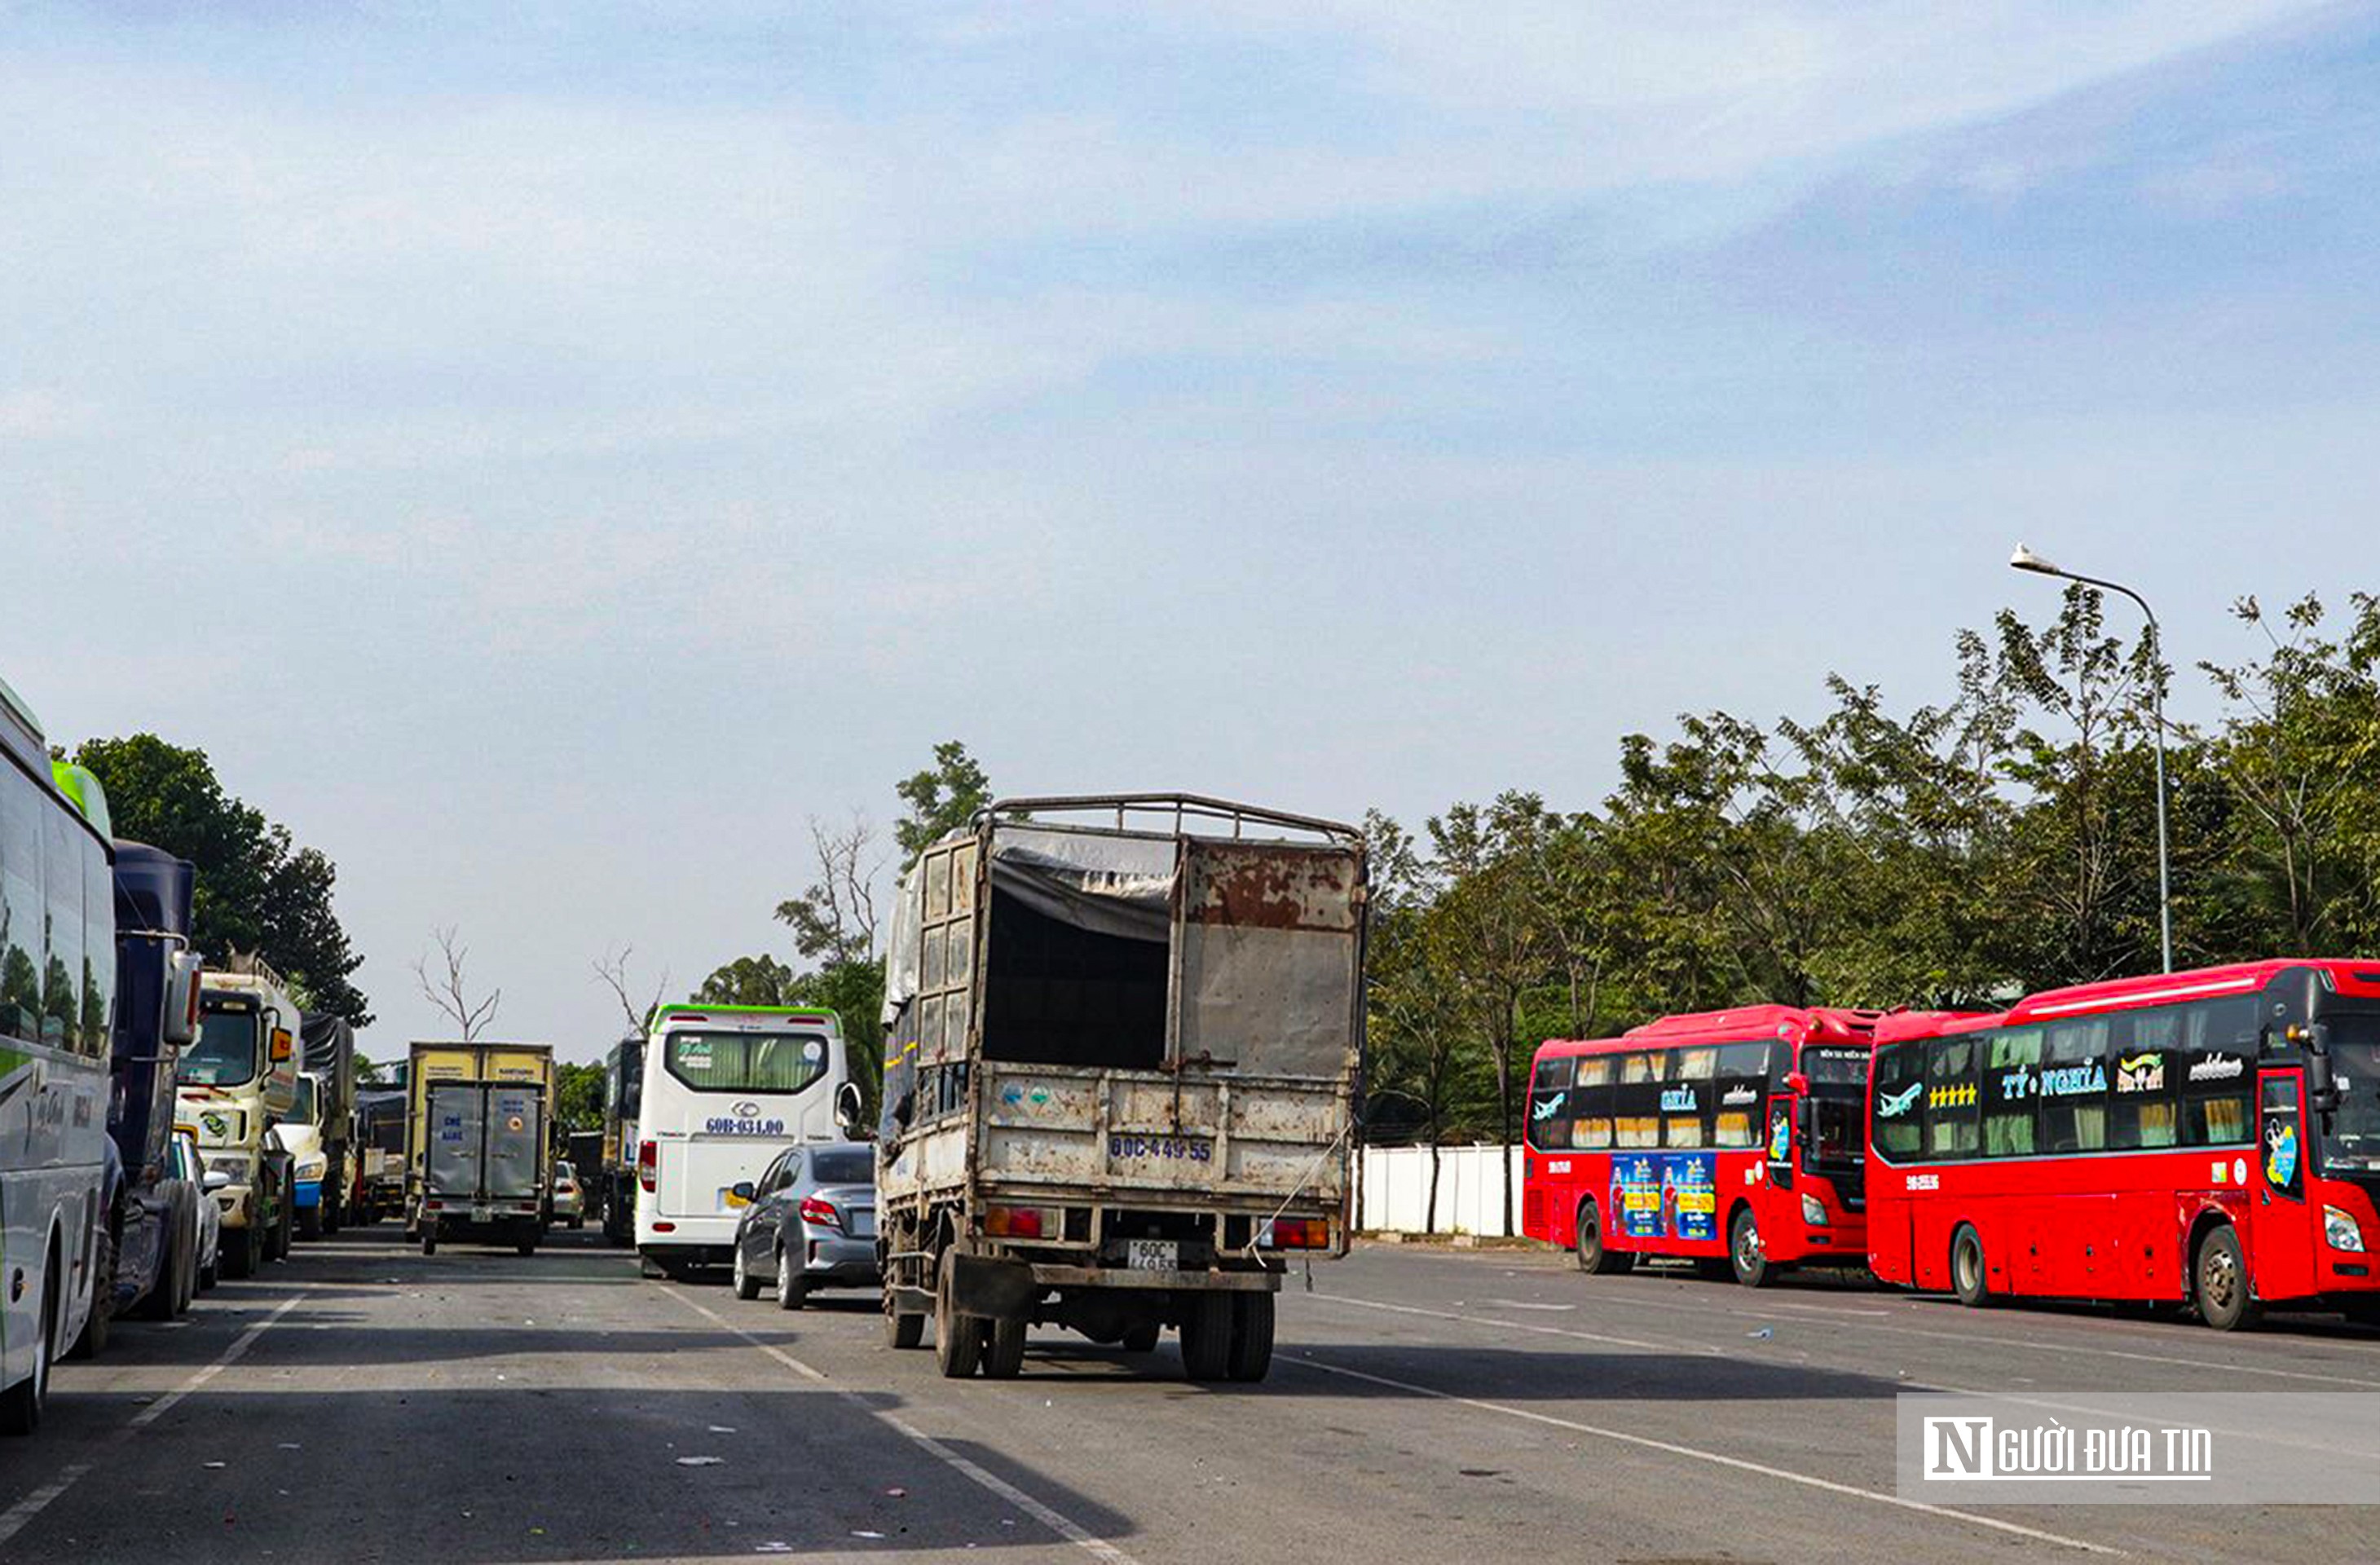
(850, 1110)
(214, 1180)
(182, 998)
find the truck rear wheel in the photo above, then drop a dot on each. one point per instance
(1206, 1336)
(1251, 1336)
(958, 1339)
(902, 1331)
(164, 1301)
(1003, 1348)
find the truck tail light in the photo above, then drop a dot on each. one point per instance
(1024, 1222)
(648, 1158)
(821, 1211)
(1295, 1234)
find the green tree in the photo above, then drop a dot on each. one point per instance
(941, 799)
(578, 1097)
(258, 892)
(749, 980)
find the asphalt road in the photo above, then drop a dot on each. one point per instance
(363, 1403)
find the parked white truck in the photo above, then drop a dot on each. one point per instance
(1123, 1040)
(234, 1084)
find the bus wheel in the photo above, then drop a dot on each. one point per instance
(1969, 1279)
(2224, 1300)
(21, 1405)
(1593, 1258)
(92, 1339)
(1746, 1254)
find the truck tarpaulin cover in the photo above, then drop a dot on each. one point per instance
(1117, 885)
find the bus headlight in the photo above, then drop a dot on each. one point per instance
(2340, 1229)
(1814, 1211)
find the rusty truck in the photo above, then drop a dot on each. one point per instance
(1123, 1040)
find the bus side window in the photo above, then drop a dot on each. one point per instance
(2011, 1075)
(2074, 1087)
(1549, 1106)
(2144, 1070)
(1897, 1104)
(1950, 1094)
(20, 908)
(2217, 1061)
(1592, 1104)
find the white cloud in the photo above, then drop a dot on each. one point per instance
(43, 413)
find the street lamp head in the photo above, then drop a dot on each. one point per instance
(2026, 559)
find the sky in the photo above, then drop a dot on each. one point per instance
(547, 454)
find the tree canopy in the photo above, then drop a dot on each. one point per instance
(1957, 854)
(259, 890)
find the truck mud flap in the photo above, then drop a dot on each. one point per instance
(995, 1288)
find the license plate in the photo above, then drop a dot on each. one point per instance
(862, 1225)
(480, 1214)
(1152, 1255)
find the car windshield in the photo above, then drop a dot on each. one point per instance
(224, 1054)
(2353, 1135)
(843, 1165)
(562, 1170)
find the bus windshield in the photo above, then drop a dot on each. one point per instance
(2353, 1138)
(726, 1062)
(224, 1054)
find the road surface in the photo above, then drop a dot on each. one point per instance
(363, 1402)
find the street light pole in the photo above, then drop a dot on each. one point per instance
(2026, 559)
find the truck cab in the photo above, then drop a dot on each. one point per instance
(301, 1138)
(235, 1083)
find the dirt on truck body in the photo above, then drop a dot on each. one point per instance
(1123, 1037)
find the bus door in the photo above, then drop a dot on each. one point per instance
(2281, 1259)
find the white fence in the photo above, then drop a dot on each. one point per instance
(1471, 1181)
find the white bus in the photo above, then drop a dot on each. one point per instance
(727, 1087)
(57, 1007)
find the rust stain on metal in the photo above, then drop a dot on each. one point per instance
(1264, 888)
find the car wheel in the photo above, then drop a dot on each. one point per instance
(791, 1291)
(746, 1286)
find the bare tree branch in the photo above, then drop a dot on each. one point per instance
(613, 970)
(448, 992)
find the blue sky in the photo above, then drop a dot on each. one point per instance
(547, 457)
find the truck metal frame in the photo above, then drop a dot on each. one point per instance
(1124, 1036)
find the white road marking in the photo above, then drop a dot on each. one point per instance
(1572, 1331)
(1673, 1306)
(1718, 1459)
(1057, 1522)
(15, 1518)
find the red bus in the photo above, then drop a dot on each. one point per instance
(2210, 1138)
(1731, 1137)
